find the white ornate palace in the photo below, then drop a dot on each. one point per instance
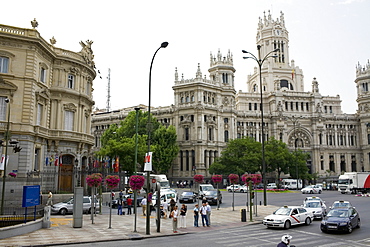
(208, 111)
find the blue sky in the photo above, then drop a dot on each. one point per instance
(327, 40)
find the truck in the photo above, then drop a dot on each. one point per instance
(291, 184)
(354, 182)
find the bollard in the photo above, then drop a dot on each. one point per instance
(243, 215)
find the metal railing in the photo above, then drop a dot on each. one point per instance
(19, 215)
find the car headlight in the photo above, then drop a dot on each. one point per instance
(343, 223)
(323, 222)
(215, 198)
(278, 221)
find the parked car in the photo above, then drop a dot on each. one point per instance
(66, 207)
(287, 216)
(317, 207)
(341, 204)
(211, 196)
(124, 200)
(311, 189)
(237, 188)
(271, 186)
(187, 196)
(341, 219)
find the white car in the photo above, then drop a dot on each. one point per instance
(341, 204)
(287, 216)
(317, 207)
(271, 186)
(237, 188)
(311, 189)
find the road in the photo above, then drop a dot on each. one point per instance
(258, 235)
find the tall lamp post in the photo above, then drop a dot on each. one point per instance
(260, 63)
(294, 120)
(137, 109)
(7, 138)
(163, 45)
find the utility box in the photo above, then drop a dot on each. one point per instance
(78, 207)
(243, 212)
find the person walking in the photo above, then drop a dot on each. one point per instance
(183, 212)
(174, 216)
(119, 206)
(129, 205)
(143, 205)
(49, 202)
(196, 215)
(203, 213)
(209, 209)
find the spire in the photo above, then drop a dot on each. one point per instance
(199, 73)
(176, 74)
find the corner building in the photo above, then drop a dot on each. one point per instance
(50, 92)
(207, 112)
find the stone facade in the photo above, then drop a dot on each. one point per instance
(207, 112)
(50, 92)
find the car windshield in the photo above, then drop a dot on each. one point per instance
(340, 205)
(338, 213)
(312, 205)
(309, 186)
(211, 193)
(283, 211)
(187, 193)
(70, 200)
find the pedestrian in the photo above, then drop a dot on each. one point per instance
(121, 195)
(183, 211)
(196, 215)
(165, 208)
(174, 216)
(191, 184)
(119, 206)
(209, 213)
(285, 241)
(49, 202)
(129, 205)
(143, 205)
(172, 204)
(203, 213)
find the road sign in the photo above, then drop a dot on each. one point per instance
(154, 180)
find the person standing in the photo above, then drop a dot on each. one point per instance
(203, 213)
(183, 211)
(143, 205)
(129, 205)
(119, 206)
(165, 208)
(209, 213)
(174, 216)
(49, 202)
(172, 204)
(196, 215)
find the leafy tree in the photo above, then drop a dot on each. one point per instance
(239, 156)
(120, 141)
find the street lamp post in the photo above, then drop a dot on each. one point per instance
(294, 120)
(163, 45)
(260, 63)
(7, 138)
(137, 109)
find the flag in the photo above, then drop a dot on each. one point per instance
(293, 72)
(47, 160)
(116, 165)
(56, 161)
(61, 160)
(2, 164)
(148, 162)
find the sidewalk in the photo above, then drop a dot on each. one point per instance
(122, 226)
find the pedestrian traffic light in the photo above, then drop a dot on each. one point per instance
(252, 194)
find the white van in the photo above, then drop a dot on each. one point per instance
(168, 194)
(291, 184)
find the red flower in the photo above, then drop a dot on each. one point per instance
(94, 180)
(234, 178)
(217, 178)
(111, 181)
(137, 182)
(255, 178)
(198, 178)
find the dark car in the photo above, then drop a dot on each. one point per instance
(341, 219)
(211, 196)
(187, 196)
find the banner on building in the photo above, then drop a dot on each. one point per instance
(148, 162)
(2, 164)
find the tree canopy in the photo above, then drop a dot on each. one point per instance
(119, 141)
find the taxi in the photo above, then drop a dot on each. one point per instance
(317, 207)
(287, 216)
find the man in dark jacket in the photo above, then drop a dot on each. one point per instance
(285, 241)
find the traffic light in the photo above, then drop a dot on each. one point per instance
(252, 194)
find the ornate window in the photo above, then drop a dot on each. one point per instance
(4, 64)
(71, 81)
(3, 106)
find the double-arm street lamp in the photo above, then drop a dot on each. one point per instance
(260, 63)
(163, 45)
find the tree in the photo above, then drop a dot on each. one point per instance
(120, 141)
(239, 156)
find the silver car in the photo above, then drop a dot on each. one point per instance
(67, 206)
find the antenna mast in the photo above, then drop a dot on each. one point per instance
(108, 96)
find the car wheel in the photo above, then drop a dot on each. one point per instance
(307, 221)
(63, 211)
(229, 190)
(319, 191)
(349, 230)
(287, 224)
(358, 223)
(241, 191)
(311, 192)
(323, 230)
